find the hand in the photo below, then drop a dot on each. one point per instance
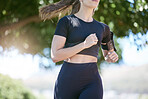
(111, 57)
(90, 40)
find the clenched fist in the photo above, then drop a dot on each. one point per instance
(90, 40)
(111, 57)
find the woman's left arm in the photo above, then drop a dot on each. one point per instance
(108, 46)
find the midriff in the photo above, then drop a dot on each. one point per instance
(81, 58)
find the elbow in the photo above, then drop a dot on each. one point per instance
(54, 59)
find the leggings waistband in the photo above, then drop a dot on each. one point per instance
(80, 63)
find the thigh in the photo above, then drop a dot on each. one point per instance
(64, 92)
(93, 91)
(67, 83)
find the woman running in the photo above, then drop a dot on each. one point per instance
(76, 40)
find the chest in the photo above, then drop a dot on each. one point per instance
(78, 31)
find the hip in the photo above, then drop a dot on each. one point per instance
(79, 72)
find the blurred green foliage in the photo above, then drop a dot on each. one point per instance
(123, 16)
(13, 89)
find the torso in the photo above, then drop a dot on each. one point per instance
(77, 34)
(80, 58)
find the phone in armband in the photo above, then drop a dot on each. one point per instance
(109, 45)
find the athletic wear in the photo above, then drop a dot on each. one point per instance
(76, 30)
(78, 81)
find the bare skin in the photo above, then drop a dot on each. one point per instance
(58, 53)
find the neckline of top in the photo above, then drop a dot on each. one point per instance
(83, 20)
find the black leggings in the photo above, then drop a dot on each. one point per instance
(78, 81)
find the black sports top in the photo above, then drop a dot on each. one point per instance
(76, 30)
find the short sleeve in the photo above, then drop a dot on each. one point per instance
(107, 34)
(62, 27)
(106, 37)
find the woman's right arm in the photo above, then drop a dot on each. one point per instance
(58, 53)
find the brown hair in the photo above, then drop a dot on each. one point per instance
(76, 7)
(51, 10)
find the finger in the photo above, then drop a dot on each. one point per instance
(91, 34)
(95, 37)
(115, 59)
(94, 34)
(112, 61)
(113, 56)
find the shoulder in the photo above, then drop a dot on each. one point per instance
(103, 25)
(63, 19)
(106, 28)
(66, 17)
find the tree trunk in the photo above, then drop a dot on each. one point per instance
(19, 24)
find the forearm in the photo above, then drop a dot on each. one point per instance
(65, 53)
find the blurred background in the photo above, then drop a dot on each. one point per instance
(27, 71)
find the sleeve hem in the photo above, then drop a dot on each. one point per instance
(60, 35)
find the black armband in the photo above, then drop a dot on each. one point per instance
(109, 45)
